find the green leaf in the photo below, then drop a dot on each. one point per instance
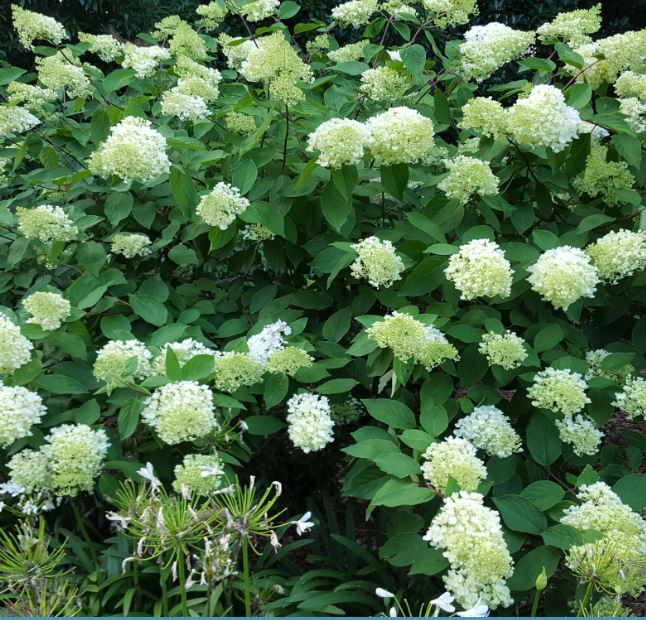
(414, 58)
(530, 566)
(172, 367)
(245, 175)
(118, 207)
(538, 64)
(565, 536)
(569, 57)
(430, 561)
(442, 110)
(397, 464)
(400, 493)
(117, 80)
(390, 412)
(578, 95)
(337, 386)
(149, 309)
(543, 494)
(547, 338)
(632, 490)
(519, 514)
(127, 421)
(276, 386)
(263, 425)
(545, 239)
(60, 384)
(394, 179)
(371, 448)
(198, 367)
(183, 255)
(10, 74)
(288, 9)
(543, 440)
(629, 147)
(336, 209)
(183, 190)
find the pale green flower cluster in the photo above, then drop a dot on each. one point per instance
(543, 119)
(480, 269)
(133, 151)
(258, 9)
(199, 474)
(399, 9)
(15, 120)
(506, 350)
(182, 411)
(212, 14)
(131, 244)
(348, 411)
(594, 359)
(289, 360)
(559, 391)
(632, 399)
(376, 262)
(65, 465)
(257, 232)
(488, 429)
(196, 80)
(33, 97)
(222, 205)
(574, 27)
(468, 176)
(240, 123)
(143, 60)
(385, 84)
(235, 50)
(33, 27)
(105, 46)
(563, 275)
(187, 43)
(349, 52)
(451, 12)
(602, 178)
(484, 115)
(580, 433)
(634, 112)
(113, 361)
(48, 310)
(340, 142)
(46, 223)
(21, 409)
(631, 84)
(234, 370)
(487, 48)
(15, 349)
(354, 13)
(618, 254)
(309, 422)
(471, 536)
(5, 164)
(275, 63)
(401, 136)
(410, 339)
(58, 73)
(319, 45)
(185, 107)
(184, 350)
(267, 341)
(453, 458)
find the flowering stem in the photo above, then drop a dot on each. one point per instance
(181, 571)
(587, 595)
(245, 577)
(537, 598)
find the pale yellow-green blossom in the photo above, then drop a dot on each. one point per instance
(580, 433)
(573, 27)
(309, 423)
(199, 474)
(468, 176)
(46, 223)
(339, 141)
(618, 254)
(484, 115)
(385, 84)
(602, 178)
(21, 409)
(222, 205)
(289, 360)
(48, 310)
(376, 262)
(105, 46)
(454, 458)
(506, 350)
(450, 12)
(489, 429)
(32, 27)
(559, 391)
(632, 399)
(58, 72)
(112, 361)
(234, 370)
(15, 349)
(131, 244)
(354, 13)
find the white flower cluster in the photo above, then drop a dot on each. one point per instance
(309, 422)
(131, 244)
(133, 151)
(376, 262)
(32, 27)
(450, 12)
(635, 112)
(270, 339)
(46, 223)
(105, 46)
(259, 9)
(559, 391)
(340, 142)
(574, 27)
(385, 84)
(182, 411)
(580, 433)
(143, 60)
(485, 115)
(111, 365)
(354, 13)
(506, 350)
(235, 50)
(349, 52)
(595, 359)
(454, 458)
(468, 176)
(21, 409)
(222, 205)
(48, 310)
(632, 399)
(184, 350)
(618, 254)
(15, 120)
(185, 107)
(563, 275)
(234, 370)
(34, 98)
(58, 72)
(471, 535)
(489, 429)
(15, 349)
(480, 269)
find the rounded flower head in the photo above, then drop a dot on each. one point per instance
(604, 179)
(289, 360)
(354, 13)
(240, 123)
(212, 14)
(453, 458)
(259, 9)
(634, 112)
(401, 136)
(632, 400)
(631, 84)
(563, 275)
(349, 52)
(385, 84)
(21, 409)
(559, 391)
(580, 433)
(471, 536)
(235, 50)
(29, 470)
(34, 98)
(451, 12)
(376, 262)
(574, 27)
(234, 370)
(269, 340)
(221, 207)
(182, 411)
(15, 349)
(309, 422)
(48, 310)
(134, 151)
(15, 120)
(340, 142)
(197, 80)
(435, 349)
(480, 269)
(618, 254)
(467, 177)
(131, 244)
(184, 350)
(105, 46)
(113, 361)
(185, 107)
(488, 429)
(59, 72)
(143, 60)
(33, 27)
(506, 350)
(484, 115)
(46, 223)
(544, 119)
(199, 474)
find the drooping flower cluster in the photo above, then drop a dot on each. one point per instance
(199, 474)
(15, 120)
(340, 142)
(309, 422)
(235, 50)
(48, 310)
(602, 178)
(182, 411)
(133, 151)
(488, 429)
(34, 98)
(595, 359)
(222, 205)
(105, 46)
(632, 399)
(631, 84)
(212, 14)
(506, 350)
(289, 360)
(46, 223)
(487, 48)
(484, 115)
(580, 433)
(354, 13)
(618, 254)
(183, 106)
(467, 177)
(349, 52)
(385, 84)
(131, 244)
(258, 9)
(480, 269)
(58, 72)
(471, 536)
(454, 458)
(376, 262)
(234, 370)
(563, 275)
(21, 409)
(240, 123)
(574, 27)
(401, 136)
(15, 349)
(543, 119)
(113, 361)
(268, 341)
(184, 350)
(450, 12)
(143, 60)
(32, 27)
(559, 391)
